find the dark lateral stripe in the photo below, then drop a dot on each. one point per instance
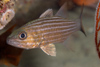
(52, 30)
(38, 21)
(60, 35)
(54, 37)
(56, 27)
(58, 23)
(50, 26)
(57, 36)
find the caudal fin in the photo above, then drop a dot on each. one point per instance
(80, 20)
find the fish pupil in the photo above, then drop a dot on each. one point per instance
(22, 35)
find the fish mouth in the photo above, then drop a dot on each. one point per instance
(11, 42)
(8, 41)
(15, 43)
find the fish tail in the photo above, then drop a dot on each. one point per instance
(80, 21)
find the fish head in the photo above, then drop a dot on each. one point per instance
(22, 39)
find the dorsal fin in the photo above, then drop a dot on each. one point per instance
(62, 11)
(47, 13)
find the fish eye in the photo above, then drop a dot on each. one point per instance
(22, 35)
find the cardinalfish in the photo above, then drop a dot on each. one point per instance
(97, 29)
(7, 12)
(44, 32)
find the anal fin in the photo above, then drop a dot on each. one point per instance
(49, 49)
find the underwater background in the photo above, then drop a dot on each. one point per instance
(77, 51)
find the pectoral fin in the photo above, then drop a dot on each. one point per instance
(47, 13)
(49, 49)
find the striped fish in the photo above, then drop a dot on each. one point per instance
(44, 32)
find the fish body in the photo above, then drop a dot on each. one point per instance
(48, 30)
(44, 32)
